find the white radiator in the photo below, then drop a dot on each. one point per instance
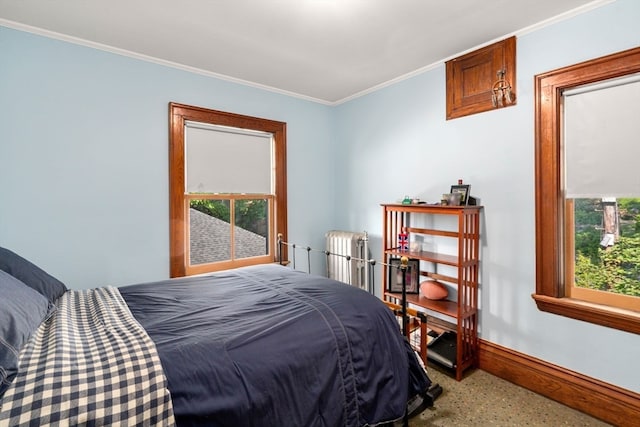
(348, 244)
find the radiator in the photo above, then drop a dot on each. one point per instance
(355, 245)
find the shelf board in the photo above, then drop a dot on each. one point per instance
(440, 277)
(440, 325)
(432, 232)
(426, 256)
(446, 307)
(432, 209)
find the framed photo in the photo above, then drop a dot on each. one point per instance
(412, 274)
(464, 191)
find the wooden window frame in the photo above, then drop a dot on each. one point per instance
(179, 200)
(552, 245)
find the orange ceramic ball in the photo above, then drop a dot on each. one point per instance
(433, 290)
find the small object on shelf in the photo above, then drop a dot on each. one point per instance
(406, 200)
(434, 290)
(463, 190)
(443, 349)
(403, 242)
(431, 335)
(451, 199)
(411, 275)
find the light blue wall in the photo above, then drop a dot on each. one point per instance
(396, 141)
(83, 169)
(84, 157)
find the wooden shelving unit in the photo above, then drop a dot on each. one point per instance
(459, 315)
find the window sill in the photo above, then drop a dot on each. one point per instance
(624, 320)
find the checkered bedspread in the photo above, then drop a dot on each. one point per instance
(91, 364)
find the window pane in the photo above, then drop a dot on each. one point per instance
(252, 227)
(209, 231)
(607, 245)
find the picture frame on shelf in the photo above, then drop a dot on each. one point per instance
(464, 191)
(412, 274)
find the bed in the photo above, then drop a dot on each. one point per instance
(255, 346)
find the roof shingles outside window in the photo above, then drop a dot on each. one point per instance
(210, 240)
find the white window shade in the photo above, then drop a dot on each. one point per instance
(227, 160)
(602, 140)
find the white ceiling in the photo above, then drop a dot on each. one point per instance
(326, 50)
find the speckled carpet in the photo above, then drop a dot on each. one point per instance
(482, 399)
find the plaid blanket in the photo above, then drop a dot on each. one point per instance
(91, 364)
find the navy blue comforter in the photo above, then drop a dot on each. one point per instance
(270, 346)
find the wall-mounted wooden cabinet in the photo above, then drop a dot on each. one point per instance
(472, 79)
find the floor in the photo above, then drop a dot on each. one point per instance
(482, 399)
